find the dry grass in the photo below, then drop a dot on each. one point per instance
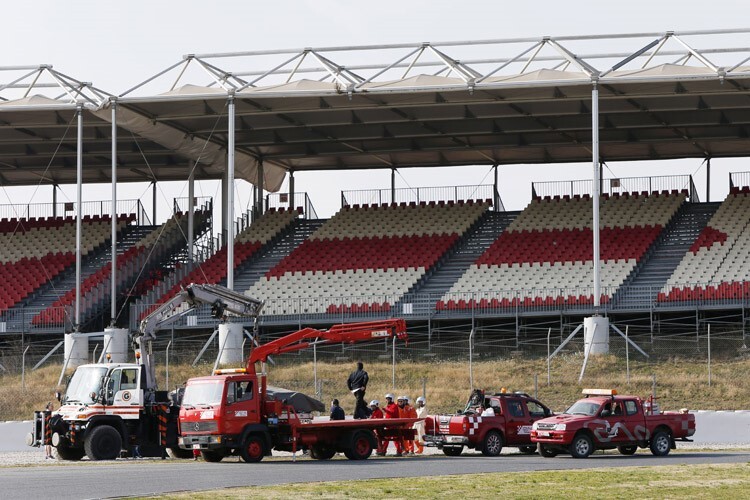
(680, 383)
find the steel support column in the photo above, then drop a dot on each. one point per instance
(496, 192)
(79, 199)
(153, 201)
(113, 306)
(708, 180)
(597, 189)
(230, 193)
(260, 186)
(291, 190)
(54, 200)
(191, 215)
(393, 185)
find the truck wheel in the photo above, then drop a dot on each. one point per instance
(104, 443)
(360, 447)
(492, 444)
(212, 456)
(179, 453)
(320, 452)
(453, 451)
(582, 446)
(627, 450)
(660, 444)
(527, 450)
(67, 453)
(546, 451)
(252, 449)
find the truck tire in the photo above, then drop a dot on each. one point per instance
(661, 443)
(103, 443)
(360, 446)
(627, 450)
(546, 451)
(179, 453)
(252, 450)
(582, 446)
(68, 453)
(492, 444)
(453, 451)
(321, 452)
(212, 456)
(528, 449)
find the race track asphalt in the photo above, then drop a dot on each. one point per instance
(152, 477)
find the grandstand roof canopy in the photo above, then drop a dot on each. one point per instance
(661, 96)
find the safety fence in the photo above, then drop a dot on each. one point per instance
(617, 185)
(422, 194)
(68, 209)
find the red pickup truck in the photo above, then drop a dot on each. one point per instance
(488, 423)
(605, 421)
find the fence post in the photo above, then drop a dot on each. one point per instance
(471, 360)
(709, 354)
(393, 365)
(536, 386)
(23, 367)
(549, 333)
(627, 355)
(315, 366)
(166, 359)
(424, 387)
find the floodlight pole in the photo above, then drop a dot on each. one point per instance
(79, 196)
(113, 306)
(597, 188)
(230, 193)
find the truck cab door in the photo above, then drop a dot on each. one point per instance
(616, 429)
(127, 392)
(240, 405)
(517, 422)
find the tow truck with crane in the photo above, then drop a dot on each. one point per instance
(603, 420)
(233, 413)
(111, 407)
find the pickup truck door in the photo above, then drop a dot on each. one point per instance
(240, 405)
(619, 426)
(517, 422)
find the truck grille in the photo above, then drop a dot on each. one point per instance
(200, 426)
(545, 426)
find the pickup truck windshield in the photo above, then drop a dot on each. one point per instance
(583, 408)
(203, 393)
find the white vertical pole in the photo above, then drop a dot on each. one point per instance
(595, 161)
(113, 307)
(79, 196)
(230, 195)
(291, 192)
(709, 354)
(191, 214)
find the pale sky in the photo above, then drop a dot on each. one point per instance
(116, 45)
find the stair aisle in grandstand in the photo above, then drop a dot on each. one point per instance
(642, 287)
(435, 285)
(256, 267)
(128, 237)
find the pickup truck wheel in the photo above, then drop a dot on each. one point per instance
(179, 453)
(104, 443)
(546, 451)
(627, 450)
(252, 449)
(67, 453)
(360, 447)
(453, 451)
(527, 450)
(660, 444)
(582, 446)
(211, 456)
(321, 452)
(492, 444)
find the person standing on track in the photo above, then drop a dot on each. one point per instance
(357, 383)
(405, 410)
(391, 410)
(419, 426)
(376, 412)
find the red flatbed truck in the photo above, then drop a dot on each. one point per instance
(232, 412)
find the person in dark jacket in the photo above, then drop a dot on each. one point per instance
(357, 383)
(337, 413)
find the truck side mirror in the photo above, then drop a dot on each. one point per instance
(547, 412)
(58, 396)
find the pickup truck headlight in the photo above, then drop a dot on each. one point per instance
(559, 427)
(534, 426)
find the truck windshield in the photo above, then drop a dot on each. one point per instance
(85, 380)
(583, 408)
(203, 393)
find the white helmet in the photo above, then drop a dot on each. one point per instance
(374, 402)
(389, 396)
(420, 399)
(403, 398)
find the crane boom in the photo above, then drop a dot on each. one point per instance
(342, 333)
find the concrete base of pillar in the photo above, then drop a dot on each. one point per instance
(230, 344)
(76, 350)
(116, 344)
(596, 335)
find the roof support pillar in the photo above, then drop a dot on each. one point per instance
(153, 201)
(54, 200)
(230, 193)
(597, 190)
(393, 185)
(79, 215)
(113, 306)
(495, 191)
(259, 185)
(291, 190)
(191, 214)
(708, 179)
(224, 215)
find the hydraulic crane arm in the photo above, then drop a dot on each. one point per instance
(343, 333)
(223, 302)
